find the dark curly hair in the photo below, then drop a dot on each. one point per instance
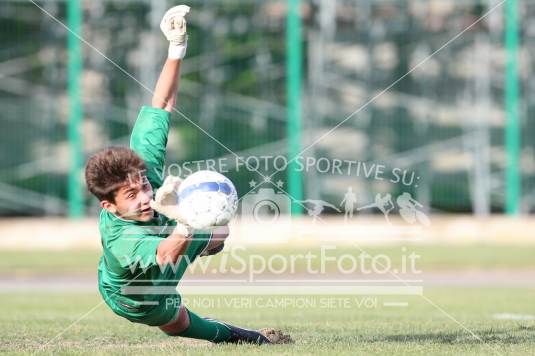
(111, 168)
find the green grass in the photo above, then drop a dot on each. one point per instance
(435, 257)
(45, 323)
(29, 323)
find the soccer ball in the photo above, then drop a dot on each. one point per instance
(206, 199)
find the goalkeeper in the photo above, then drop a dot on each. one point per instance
(146, 245)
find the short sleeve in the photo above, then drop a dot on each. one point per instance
(136, 248)
(149, 141)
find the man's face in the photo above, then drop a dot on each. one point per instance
(132, 201)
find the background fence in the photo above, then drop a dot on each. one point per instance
(445, 121)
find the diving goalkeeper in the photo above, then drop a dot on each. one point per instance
(146, 245)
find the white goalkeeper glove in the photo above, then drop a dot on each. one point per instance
(173, 26)
(166, 203)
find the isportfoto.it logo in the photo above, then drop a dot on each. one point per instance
(342, 270)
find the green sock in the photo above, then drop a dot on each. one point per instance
(205, 329)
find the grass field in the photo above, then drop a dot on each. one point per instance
(29, 322)
(440, 322)
(433, 257)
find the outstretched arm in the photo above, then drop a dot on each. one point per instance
(165, 92)
(173, 26)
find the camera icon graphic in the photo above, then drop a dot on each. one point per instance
(266, 206)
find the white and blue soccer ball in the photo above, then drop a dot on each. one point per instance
(206, 199)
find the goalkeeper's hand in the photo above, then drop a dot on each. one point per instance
(166, 203)
(173, 26)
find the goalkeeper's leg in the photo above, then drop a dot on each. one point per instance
(189, 324)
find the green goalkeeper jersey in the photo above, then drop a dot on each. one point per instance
(129, 278)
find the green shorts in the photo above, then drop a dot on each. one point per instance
(161, 309)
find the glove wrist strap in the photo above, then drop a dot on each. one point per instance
(183, 229)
